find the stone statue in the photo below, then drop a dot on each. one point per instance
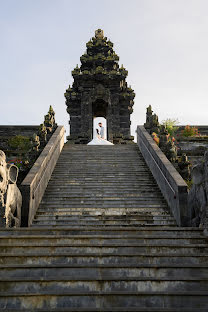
(99, 34)
(164, 138)
(198, 195)
(10, 196)
(152, 123)
(42, 132)
(184, 167)
(171, 151)
(35, 142)
(167, 145)
(49, 121)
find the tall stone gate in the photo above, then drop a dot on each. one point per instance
(99, 90)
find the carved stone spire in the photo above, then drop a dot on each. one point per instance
(99, 89)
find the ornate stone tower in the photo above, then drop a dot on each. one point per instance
(99, 90)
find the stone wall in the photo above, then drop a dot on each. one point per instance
(35, 183)
(6, 132)
(171, 184)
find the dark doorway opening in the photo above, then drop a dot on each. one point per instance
(100, 114)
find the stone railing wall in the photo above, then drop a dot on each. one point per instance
(171, 184)
(36, 181)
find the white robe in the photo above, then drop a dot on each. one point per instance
(97, 140)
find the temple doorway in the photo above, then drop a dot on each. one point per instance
(96, 121)
(99, 114)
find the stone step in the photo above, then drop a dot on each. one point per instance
(119, 309)
(109, 194)
(64, 258)
(62, 221)
(99, 203)
(102, 272)
(107, 205)
(81, 239)
(105, 211)
(81, 284)
(140, 188)
(107, 248)
(105, 217)
(103, 182)
(106, 299)
(67, 230)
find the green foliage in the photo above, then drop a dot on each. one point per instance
(170, 125)
(20, 143)
(189, 183)
(190, 131)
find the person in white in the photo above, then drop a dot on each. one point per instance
(101, 130)
(99, 137)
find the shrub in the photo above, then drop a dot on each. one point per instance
(170, 125)
(20, 143)
(190, 131)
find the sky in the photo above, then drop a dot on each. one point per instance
(162, 43)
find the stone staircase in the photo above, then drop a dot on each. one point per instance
(102, 186)
(103, 240)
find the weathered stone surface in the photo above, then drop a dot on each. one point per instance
(171, 184)
(110, 268)
(103, 241)
(198, 195)
(152, 123)
(99, 90)
(102, 186)
(10, 196)
(35, 183)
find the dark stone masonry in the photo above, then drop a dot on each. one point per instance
(99, 90)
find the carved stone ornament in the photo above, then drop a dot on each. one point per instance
(198, 195)
(99, 90)
(152, 123)
(10, 196)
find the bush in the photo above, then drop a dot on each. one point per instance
(20, 143)
(170, 125)
(190, 131)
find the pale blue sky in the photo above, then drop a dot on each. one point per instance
(162, 43)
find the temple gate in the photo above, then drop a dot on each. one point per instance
(99, 90)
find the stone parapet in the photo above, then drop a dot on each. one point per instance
(171, 184)
(36, 181)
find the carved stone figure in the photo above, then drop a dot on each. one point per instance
(171, 151)
(198, 195)
(42, 132)
(49, 121)
(35, 142)
(152, 123)
(184, 167)
(10, 196)
(164, 138)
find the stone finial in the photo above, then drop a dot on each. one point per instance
(51, 111)
(35, 142)
(99, 34)
(152, 123)
(9, 192)
(149, 110)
